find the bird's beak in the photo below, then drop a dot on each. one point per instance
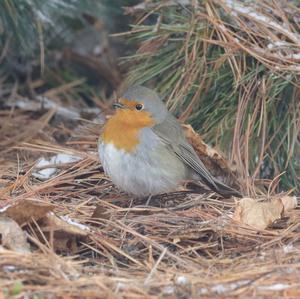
(118, 105)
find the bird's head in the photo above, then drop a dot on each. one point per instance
(141, 105)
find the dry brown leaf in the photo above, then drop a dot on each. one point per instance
(63, 232)
(258, 214)
(262, 214)
(12, 236)
(64, 225)
(289, 203)
(101, 212)
(24, 210)
(212, 159)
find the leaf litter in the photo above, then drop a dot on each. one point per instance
(12, 236)
(86, 239)
(260, 215)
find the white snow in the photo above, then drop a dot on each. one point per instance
(278, 43)
(295, 56)
(69, 112)
(168, 290)
(238, 7)
(220, 288)
(46, 103)
(72, 222)
(43, 17)
(97, 50)
(224, 288)
(274, 287)
(94, 110)
(5, 208)
(9, 268)
(58, 159)
(45, 173)
(182, 280)
(288, 248)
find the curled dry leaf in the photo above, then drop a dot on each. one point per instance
(25, 210)
(12, 236)
(259, 214)
(65, 232)
(212, 159)
(101, 212)
(64, 225)
(289, 203)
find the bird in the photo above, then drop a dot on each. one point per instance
(144, 151)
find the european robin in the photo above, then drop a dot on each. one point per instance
(143, 149)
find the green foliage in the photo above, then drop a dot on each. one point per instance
(13, 290)
(36, 37)
(30, 24)
(23, 22)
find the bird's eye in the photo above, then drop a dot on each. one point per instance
(139, 106)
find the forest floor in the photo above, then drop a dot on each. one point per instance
(67, 232)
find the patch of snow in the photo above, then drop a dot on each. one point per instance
(58, 159)
(274, 287)
(168, 290)
(5, 208)
(60, 3)
(44, 102)
(65, 158)
(240, 8)
(72, 222)
(221, 288)
(224, 288)
(295, 68)
(94, 110)
(43, 17)
(294, 56)
(69, 112)
(97, 50)
(120, 286)
(288, 248)
(44, 174)
(23, 104)
(9, 268)
(278, 43)
(182, 280)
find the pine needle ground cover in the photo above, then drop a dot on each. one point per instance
(88, 240)
(68, 233)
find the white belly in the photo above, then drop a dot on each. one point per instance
(141, 173)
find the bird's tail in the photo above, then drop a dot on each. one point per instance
(224, 190)
(215, 185)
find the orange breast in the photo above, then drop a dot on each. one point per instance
(122, 129)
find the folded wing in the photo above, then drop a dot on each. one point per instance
(171, 134)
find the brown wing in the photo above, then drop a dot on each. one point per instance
(172, 136)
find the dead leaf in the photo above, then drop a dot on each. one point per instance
(24, 210)
(101, 212)
(64, 224)
(259, 214)
(289, 203)
(212, 159)
(63, 231)
(12, 236)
